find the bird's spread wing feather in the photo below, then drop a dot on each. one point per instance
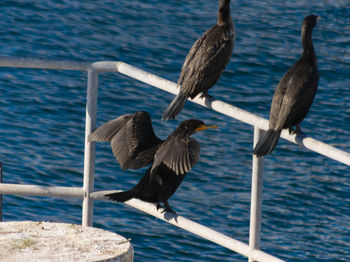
(132, 138)
(106, 132)
(180, 155)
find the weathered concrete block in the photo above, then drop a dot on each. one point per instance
(45, 241)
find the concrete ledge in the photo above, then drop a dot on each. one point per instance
(45, 241)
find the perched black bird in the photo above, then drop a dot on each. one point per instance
(294, 95)
(205, 61)
(135, 145)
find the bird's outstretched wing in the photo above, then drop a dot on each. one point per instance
(132, 139)
(179, 155)
(106, 132)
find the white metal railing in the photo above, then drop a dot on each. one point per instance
(86, 192)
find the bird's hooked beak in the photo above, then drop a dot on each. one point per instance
(204, 127)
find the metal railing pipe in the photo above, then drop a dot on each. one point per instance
(195, 228)
(34, 190)
(146, 77)
(256, 197)
(317, 146)
(105, 66)
(89, 151)
(20, 62)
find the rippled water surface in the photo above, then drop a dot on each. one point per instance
(306, 197)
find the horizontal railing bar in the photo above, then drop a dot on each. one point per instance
(43, 63)
(317, 146)
(193, 227)
(33, 190)
(105, 66)
(237, 113)
(171, 87)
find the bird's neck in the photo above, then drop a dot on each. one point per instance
(224, 15)
(182, 133)
(179, 132)
(308, 46)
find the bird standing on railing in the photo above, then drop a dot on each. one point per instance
(295, 93)
(135, 145)
(205, 61)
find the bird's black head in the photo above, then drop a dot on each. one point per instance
(224, 16)
(224, 2)
(142, 115)
(310, 21)
(306, 31)
(192, 126)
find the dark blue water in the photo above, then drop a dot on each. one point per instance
(306, 197)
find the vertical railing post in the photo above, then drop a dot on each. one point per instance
(89, 152)
(256, 197)
(0, 194)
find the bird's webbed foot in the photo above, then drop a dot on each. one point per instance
(291, 131)
(167, 207)
(205, 94)
(158, 206)
(168, 210)
(297, 130)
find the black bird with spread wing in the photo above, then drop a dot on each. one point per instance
(205, 62)
(135, 145)
(294, 95)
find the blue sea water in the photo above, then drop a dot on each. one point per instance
(306, 197)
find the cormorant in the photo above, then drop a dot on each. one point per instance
(205, 61)
(294, 95)
(135, 145)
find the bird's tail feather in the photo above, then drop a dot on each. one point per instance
(175, 107)
(267, 143)
(121, 196)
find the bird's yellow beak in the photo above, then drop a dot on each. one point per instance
(318, 18)
(204, 127)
